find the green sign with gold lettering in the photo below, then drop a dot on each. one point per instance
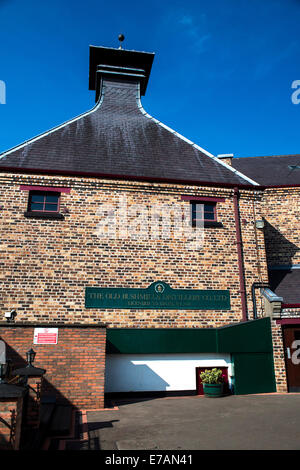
(158, 295)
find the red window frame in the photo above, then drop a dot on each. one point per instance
(45, 194)
(206, 203)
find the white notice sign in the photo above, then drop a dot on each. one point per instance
(45, 336)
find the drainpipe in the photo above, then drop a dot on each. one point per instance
(240, 253)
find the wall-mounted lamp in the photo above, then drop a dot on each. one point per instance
(65, 210)
(260, 223)
(30, 355)
(30, 370)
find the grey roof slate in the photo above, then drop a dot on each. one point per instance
(286, 283)
(270, 170)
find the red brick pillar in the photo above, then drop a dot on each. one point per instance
(278, 353)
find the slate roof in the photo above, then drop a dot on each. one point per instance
(270, 171)
(118, 138)
(286, 283)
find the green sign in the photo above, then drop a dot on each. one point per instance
(158, 295)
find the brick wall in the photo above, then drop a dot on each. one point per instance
(254, 253)
(281, 210)
(75, 367)
(278, 352)
(290, 312)
(282, 237)
(46, 264)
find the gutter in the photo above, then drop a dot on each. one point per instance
(41, 171)
(290, 305)
(151, 179)
(240, 254)
(263, 187)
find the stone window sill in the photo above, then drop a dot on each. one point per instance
(212, 223)
(43, 215)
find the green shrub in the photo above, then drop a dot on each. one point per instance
(213, 376)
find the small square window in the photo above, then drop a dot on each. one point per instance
(203, 212)
(43, 201)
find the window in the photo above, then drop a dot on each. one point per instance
(44, 205)
(43, 201)
(203, 212)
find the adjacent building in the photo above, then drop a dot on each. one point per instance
(280, 178)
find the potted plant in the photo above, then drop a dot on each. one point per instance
(212, 382)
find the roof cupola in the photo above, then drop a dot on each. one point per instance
(118, 65)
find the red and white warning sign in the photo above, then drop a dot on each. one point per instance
(45, 336)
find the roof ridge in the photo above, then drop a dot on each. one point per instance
(268, 156)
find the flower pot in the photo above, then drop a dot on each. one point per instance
(213, 390)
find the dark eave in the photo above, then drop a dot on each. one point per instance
(79, 174)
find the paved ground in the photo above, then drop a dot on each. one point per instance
(252, 422)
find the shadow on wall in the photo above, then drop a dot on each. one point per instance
(132, 378)
(279, 250)
(48, 394)
(47, 388)
(94, 429)
(276, 277)
(95, 436)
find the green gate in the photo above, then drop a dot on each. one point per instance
(249, 343)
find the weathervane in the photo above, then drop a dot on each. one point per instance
(121, 39)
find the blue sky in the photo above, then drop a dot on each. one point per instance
(222, 73)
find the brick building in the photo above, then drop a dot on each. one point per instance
(279, 176)
(142, 249)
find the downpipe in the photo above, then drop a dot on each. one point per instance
(240, 254)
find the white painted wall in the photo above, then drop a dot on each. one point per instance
(158, 372)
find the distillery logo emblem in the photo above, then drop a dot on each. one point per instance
(128, 220)
(296, 94)
(2, 92)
